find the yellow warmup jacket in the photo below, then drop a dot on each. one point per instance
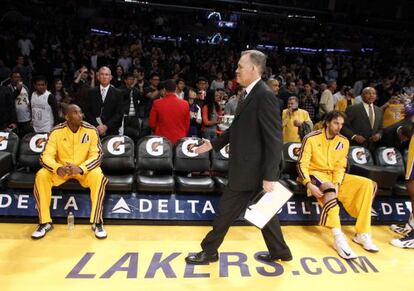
(82, 148)
(290, 131)
(342, 104)
(392, 114)
(320, 155)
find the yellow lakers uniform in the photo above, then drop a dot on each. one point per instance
(392, 114)
(325, 160)
(290, 131)
(409, 172)
(83, 149)
(342, 104)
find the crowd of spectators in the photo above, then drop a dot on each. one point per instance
(60, 49)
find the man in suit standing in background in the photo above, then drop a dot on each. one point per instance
(363, 123)
(255, 138)
(104, 105)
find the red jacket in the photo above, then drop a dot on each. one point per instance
(170, 117)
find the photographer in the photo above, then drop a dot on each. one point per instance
(293, 118)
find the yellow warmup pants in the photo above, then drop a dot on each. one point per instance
(356, 194)
(45, 180)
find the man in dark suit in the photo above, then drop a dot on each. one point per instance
(363, 123)
(398, 135)
(255, 138)
(103, 107)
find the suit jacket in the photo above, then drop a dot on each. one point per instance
(170, 117)
(390, 137)
(255, 138)
(110, 111)
(137, 100)
(357, 122)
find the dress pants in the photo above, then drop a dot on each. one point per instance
(232, 204)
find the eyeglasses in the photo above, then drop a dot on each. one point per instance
(155, 79)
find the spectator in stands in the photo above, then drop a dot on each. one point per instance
(211, 114)
(180, 88)
(25, 70)
(290, 91)
(141, 83)
(363, 123)
(231, 105)
(132, 100)
(347, 100)
(274, 86)
(104, 105)
(78, 160)
(151, 93)
(20, 94)
(218, 82)
(45, 110)
(339, 95)
(384, 92)
(321, 166)
(393, 111)
(125, 61)
(195, 114)
(170, 116)
(292, 119)
(407, 230)
(84, 80)
(326, 103)
(61, 96)
(5, 72)
(308, 101)
(118, 81)
(8, 118)
(25, 45)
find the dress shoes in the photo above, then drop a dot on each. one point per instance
(269, 258)
(201, 258)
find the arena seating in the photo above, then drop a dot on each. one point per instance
(155, 166)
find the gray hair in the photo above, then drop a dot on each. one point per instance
(293, 98)
(105, 68)
(257, 58)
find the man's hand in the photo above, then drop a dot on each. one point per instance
(102, 129)
(315, 191)
(359, 139)
(74, 170)
(297, 123)
(375, 137)
(268, 186)
(205, 147)
(61, 171)
(12, 126)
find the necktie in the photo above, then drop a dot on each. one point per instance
(241, 100)
(103, 90)
(371, 115)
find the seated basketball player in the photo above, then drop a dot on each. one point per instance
(407, 230)
(321, 167)
(73, 151)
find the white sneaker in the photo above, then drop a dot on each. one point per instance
(99, 230)
(402, 229)
(365, 240)
(342, 247)
(406, 242)
(41, 230)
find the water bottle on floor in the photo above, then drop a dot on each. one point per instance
(71, 221)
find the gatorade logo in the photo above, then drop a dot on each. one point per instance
(38, 142)
(116, 145)
(155, 146)
(4, 139)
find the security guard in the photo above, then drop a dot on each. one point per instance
(73, 151)
(321, 168)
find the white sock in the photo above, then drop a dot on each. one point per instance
(336, 231)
